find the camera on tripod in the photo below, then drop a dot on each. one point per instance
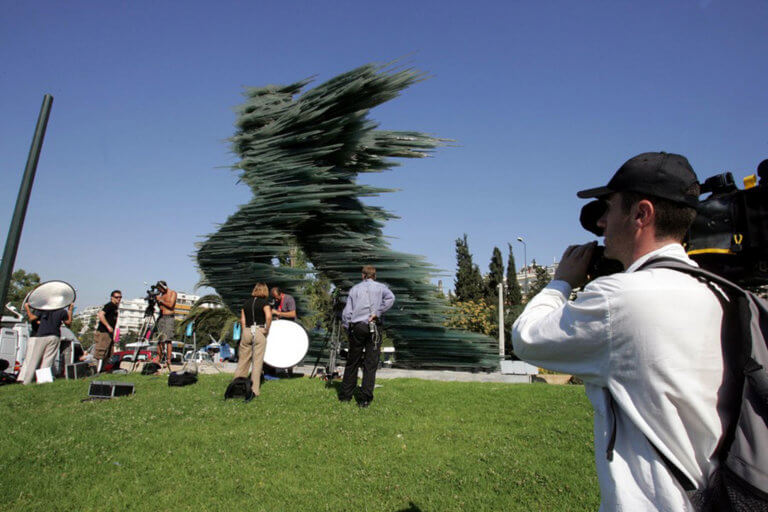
(152, 294)
(729, 235)
(151, 298)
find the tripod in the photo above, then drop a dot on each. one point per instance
(205, 362)
(333, 341)
(147, 327)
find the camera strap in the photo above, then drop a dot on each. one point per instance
(370, 301)
(253, 318)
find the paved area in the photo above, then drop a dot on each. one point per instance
(396, 373)
(447, 375)
(382, 373)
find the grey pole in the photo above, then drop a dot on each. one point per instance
(501, 320)
(525, 263)
(17, 222)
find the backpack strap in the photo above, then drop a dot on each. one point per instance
(737, 351)
(758, 378)
(676, 264)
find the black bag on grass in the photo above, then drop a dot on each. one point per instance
(240, 387)
(150, 369)
(181, 379)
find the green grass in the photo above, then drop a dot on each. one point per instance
(422, 445)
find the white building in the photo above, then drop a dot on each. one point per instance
(131, 315)
(527, 275)
(87, 314)
(131, 312)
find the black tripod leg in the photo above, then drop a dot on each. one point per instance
(319, 355)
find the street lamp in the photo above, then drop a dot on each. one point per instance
(525, 262)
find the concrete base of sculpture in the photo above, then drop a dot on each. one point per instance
(518, 368)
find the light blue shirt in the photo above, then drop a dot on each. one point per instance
(365, 299)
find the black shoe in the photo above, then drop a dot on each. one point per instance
(363, 404)
(345, 399)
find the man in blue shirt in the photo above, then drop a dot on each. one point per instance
(367, 301)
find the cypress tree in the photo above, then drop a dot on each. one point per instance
(542, 279)
(495, 276)
(514, 294)
(469, 282)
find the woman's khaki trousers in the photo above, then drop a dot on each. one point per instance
(251, 357)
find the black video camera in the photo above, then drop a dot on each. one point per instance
(152, 294)
(151, 299)
(729, 235)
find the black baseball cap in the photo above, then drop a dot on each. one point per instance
(664, 175)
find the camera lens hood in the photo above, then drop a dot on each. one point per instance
(590, 214)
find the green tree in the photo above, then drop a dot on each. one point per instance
(86, 339)
(510, 315)
(542, 279)
(77, 326)
(514, 295)
(21, 284)
(317, 290)
(85, 334)
(211, 317)
(495, 276)
(475, 316)
(469, 284)
(128, 337)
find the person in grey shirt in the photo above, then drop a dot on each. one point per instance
(367, 301)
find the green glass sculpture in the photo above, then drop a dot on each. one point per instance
(301, 154)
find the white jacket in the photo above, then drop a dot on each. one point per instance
(650, 339)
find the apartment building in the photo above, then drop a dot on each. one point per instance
(132, 311)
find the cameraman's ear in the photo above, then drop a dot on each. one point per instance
(645, 213)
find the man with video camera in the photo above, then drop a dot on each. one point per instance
(646, 342)
(166, 324)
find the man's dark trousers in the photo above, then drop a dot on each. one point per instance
(362, 350)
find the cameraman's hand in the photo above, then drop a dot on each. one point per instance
(573, 265)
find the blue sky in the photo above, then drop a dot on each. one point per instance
(542, 98)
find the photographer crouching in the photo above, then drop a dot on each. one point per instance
(646, 342)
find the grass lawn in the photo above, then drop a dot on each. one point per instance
(422, 445)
